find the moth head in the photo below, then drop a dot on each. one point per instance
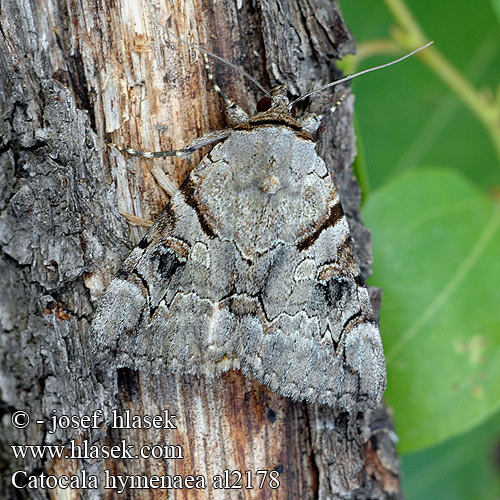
(276, 101)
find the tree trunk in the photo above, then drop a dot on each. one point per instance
(74, 76)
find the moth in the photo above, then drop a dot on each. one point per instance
(251, 267)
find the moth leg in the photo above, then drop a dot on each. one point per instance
(312, 123)
(236, 114)
(163, 180)
(185, 152)
(136, 221)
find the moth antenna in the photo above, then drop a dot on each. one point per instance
(225, 61)
(350, 77)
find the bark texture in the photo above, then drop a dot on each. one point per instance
(74, 76)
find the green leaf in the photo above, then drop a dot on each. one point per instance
(464, 468)
(495, 5)
(436, 246)
(407, 116)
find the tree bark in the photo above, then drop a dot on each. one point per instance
(74, 76)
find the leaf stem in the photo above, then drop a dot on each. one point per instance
(376, 47)
(410, 35)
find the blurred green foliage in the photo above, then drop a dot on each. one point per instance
(435, 238)
(406, 116)
(431, 178)
(464, 468)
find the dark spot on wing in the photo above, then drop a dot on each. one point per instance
(336, 290)
(122, 274)
(271, 415)
(168, 263)
(144, 242)
(359, 280)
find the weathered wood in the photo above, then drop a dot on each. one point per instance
(74, 76)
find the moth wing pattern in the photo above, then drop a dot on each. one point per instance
(250, 267)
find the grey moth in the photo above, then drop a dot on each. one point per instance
(250, 267)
